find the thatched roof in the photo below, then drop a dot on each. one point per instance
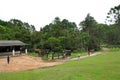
(11, 43)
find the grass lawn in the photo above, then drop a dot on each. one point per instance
(74, 55)
(102, 67)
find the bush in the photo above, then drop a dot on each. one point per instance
(33, 54)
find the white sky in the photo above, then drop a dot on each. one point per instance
(42, 12)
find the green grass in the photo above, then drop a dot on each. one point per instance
(74, 55)
(102, 67)
(33, 54)
(114, 49)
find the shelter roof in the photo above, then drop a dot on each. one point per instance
(11, 43)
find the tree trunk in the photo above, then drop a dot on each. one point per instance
(53, 55)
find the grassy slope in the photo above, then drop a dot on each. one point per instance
(101, 67)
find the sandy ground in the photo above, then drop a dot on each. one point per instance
(25, 62)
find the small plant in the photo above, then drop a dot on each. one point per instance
(33, 54)
(44, 58)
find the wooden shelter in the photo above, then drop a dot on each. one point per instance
(11, 47)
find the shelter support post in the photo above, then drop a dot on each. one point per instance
(26, 51)
(13, 52)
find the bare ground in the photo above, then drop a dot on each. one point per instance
(25, 62)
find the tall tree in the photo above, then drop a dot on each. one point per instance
(114, 15)
(88, 26)
(113, 18)
(63, 30)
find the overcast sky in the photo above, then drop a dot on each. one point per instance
(42, 12)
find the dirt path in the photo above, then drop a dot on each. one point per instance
(93, 54)
(82, 57)
(24, 63)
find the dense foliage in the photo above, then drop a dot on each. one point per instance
(63, 34)
(16, 30)
(60, 35)
(113, 19)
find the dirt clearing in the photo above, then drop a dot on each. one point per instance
(25, 62)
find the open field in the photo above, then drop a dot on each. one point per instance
(105, 66)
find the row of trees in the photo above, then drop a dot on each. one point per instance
(63, 34)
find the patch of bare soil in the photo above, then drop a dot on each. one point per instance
(25, 62)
